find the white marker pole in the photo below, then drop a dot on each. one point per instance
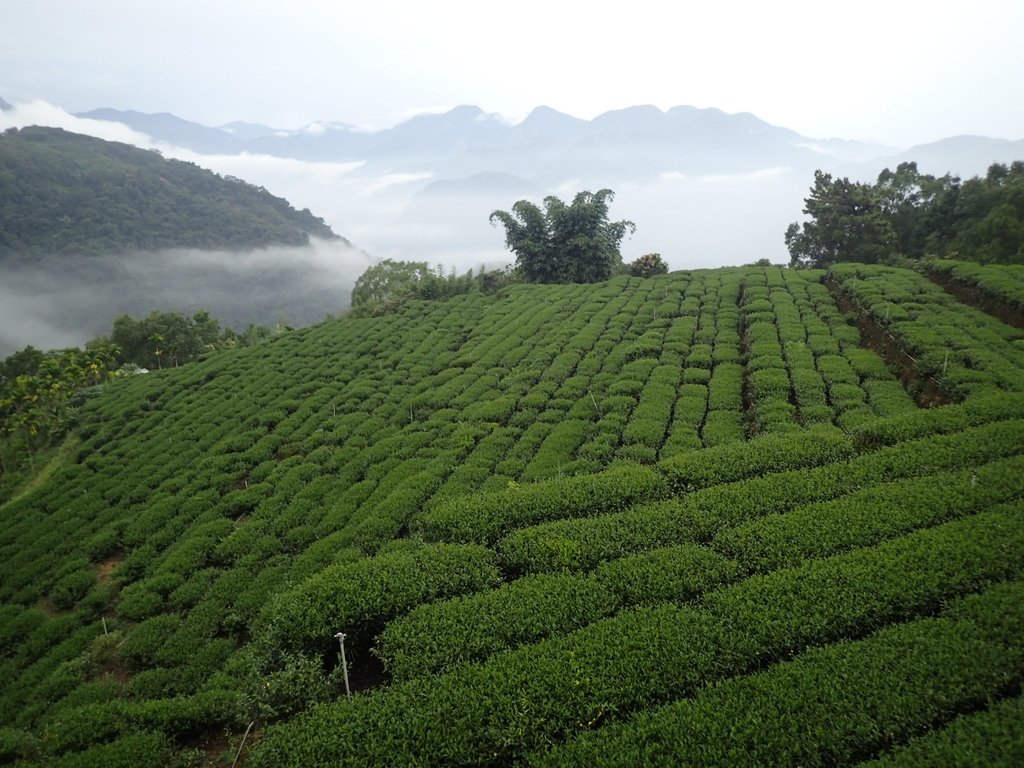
(344, 663)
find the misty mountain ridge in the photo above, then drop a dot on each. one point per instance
(705, 187)
(962, 156)
(548, 147)
(468, 129)
(63, 192)
(90, 229)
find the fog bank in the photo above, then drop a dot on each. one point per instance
(67, 301)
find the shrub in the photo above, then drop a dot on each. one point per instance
(725, 463)
(435, 638)
(523, 700)
(359, 597)
(486, 517)
(828, 706)
(648, 265)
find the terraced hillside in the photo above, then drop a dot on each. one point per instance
(703, 518)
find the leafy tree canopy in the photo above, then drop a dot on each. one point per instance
(846, 224)
(648, 265)
(39, 391)
(573, 243)
(387, 280)
(62, 192)
(913, 215)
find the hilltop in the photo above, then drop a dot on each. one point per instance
(747, 513)
(65, 193)
(91, 229)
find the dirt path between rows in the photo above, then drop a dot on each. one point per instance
(979, 298)
(925, 391)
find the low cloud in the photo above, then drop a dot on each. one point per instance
(693, 220)
(51, 308)
(39, 112)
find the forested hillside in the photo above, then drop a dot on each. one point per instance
(723, 517)
(911, 215)
(66, 193)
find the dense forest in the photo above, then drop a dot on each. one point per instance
(906, 214)
(66, 193)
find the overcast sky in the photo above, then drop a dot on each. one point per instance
(897, 72)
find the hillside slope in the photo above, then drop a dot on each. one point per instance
(579, 524)
(62, 192)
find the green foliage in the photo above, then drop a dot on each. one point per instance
(437, 637)
(846, 224)
(357, 598)
(993, 738)
(648, 265)
(40, 393)
(485, 518)
(914, 215)
(952, 418)
(228, 516)
(386, 284)
(967, 352)
(864, 517)
(176, 716)
(829, 705)
(665, 575)
(1004, 283)
(573, 243)
(582, 544)
(73, 194)
(123, 752)
(388, 280)
(520, 701)
(726, 463)
(169, 339)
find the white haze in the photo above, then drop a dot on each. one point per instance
(693, 221)
(706, 221)
(283, 284)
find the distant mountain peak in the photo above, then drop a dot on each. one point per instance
(244, 130)
(461, 113)
(4, 106)
(545, 118)
(639, 117)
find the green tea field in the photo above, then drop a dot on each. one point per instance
(741, 516)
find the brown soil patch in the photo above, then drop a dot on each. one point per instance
(218, 747)
(112, 668)
(366, 672)
(925, 391)
(979, 298)
(46, 605)
(105, 568)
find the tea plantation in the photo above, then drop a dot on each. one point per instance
(744, 516)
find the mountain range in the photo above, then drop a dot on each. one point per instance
(467, 149)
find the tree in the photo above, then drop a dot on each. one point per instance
(906, 198)
(163, 339)
(847, 224)
(648, 265)
(388, 280)
(35, 399)
(988, 217)
(562, 243)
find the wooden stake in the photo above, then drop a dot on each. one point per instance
(344, 663)
(239, 752)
